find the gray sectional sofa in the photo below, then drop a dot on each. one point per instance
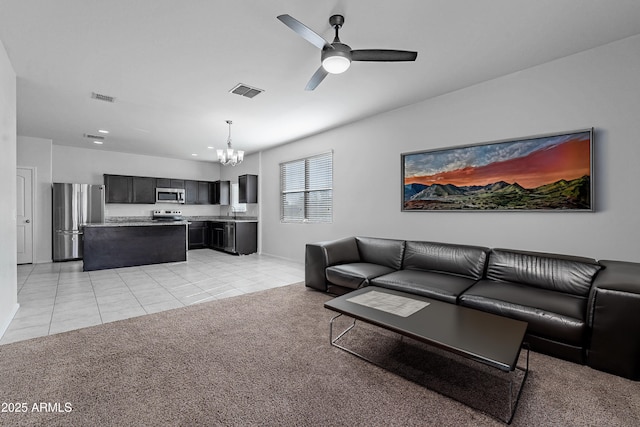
(577, 308)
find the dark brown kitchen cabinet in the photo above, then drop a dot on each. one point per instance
(220, 192)
(130, 189)
(216, 235)
(119, 189)
(204, 193)
(197, 192)
(198, 235)
(246, 238)
(169, 183)
(235, 237)
(144, 190)
(191, 192)
(163, 183)
(248, 189)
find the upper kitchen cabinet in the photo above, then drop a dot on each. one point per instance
(130, 189)
(191, 192)
(204, 193)
(144, 190)
(119, 189)
(169, 183)
(220, 192)
(248, 189)
(197, 192)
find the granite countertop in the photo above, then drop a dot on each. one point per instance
(129, 221)
(223, 218)
(135, 223)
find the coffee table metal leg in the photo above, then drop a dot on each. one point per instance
(514, 406)
(334, 341)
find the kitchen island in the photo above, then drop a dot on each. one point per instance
(128, 244)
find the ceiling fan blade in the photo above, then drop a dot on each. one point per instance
(303, 31)
(383, 55)
(316, 79)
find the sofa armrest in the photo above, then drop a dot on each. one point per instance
(319, 256)
(614, 318)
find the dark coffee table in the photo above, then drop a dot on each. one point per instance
(493, 340)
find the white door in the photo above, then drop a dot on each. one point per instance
(24, 210)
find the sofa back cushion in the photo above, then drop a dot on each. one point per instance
(561, 273)
(461, 260)
(341, 251)
(387, 252)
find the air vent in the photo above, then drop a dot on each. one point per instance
(246, 90)
(89, 136)
(101, 97)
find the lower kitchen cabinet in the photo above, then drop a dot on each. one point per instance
(198, 236)
(236, 237)
(216, 235)
(246, 238)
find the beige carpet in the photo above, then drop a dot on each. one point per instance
(265, 359)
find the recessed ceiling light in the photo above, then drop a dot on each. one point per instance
(98, 142)
(194, 155)
(103, 131)
(210, 148)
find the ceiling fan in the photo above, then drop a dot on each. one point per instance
(336, 57)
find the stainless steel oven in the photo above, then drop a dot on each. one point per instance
(170, 195)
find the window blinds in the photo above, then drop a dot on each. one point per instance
(307, 189)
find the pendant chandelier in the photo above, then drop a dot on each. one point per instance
(229, 156)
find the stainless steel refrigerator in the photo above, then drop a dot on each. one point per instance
(73, 206)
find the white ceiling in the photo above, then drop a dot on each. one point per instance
(170, 64)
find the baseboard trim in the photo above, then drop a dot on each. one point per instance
(7, 322)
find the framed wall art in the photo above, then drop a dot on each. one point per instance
(551, 172)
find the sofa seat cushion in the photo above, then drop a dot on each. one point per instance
(355, 275)
(553, 315)
(443, 287)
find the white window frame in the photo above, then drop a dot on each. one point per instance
(307, 190)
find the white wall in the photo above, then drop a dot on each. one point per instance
(36, 153)
(8, 252)
(598, 88)
(87, 166)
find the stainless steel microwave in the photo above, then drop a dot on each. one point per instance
(170, 195)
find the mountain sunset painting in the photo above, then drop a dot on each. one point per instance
(551, 172)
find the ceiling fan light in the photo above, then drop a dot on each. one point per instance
(336, 64)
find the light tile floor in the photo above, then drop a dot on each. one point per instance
(59, 297)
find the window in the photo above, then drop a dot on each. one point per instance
(306, 189)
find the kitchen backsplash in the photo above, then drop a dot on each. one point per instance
(114, 209)
(130, 210)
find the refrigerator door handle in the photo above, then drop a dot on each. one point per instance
(69, 232)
